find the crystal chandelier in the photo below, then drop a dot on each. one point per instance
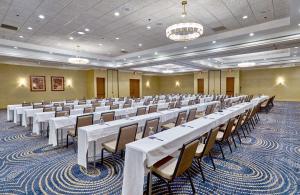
(77, 59)
(184, 31)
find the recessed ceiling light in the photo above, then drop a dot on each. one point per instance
(214, 42)
(100, 44)
(117, 38)
(185, 47)
(245, 17)
(41, 16)
(29, 28)
(124, 59)
(298, 24)
(21, 37)
(16, 47)
(155, 53)
(139, 56)
(140, 45)
(251, 34)
(122, 49)
(117, 14)
(148, 27)
(296, 47)
(86, 29)
(81, 33)
(71, 38)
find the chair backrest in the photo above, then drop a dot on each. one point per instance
(58, 104)
(191, 102)
(88, 110)
(84, 120)
(151, 124)
(69, 101)
(127, 105)
(96, 104)
(67, 108)
(81, 102)
(227, 132)
(46, 102)
(208, 109)
(109, 103)
(185, 158)
(240, 119)
(192, 114)
(62, 113)
(108, 116)
(35, 106)
(152, 109)
(171, 105)
(48, 109)
(178, 104)
(180, 118)
(26, 104)
(126, 135)
(141, 111)
(114, 106)
(210, 142)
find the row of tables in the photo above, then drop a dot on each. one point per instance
(142, 154)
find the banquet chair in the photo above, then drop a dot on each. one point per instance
(126, 135)
(151, 125)
(180, 120)
(46, 102)
(152, 109)
(207, 111)
(62, 113)
(141, 111)
(81, 102)
(81, 121)
(178, 104)
(96, 104)
(240, 121)
(170, 167)
(191, 102)
(49, 109)
(223, 136)
(26, 104)
(69, 101)
(204, 149)
(88, 110)
(114, 106)
(265, 106)
(67, 108)
(58, 104)
(171, 105)
(126, 105)
(36, 106)
(108, 116)
(236, 125)
(191, 115)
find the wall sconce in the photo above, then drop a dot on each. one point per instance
(22, 82)
(69, 83)
(177, 83)
(280, 81)
(148, 84)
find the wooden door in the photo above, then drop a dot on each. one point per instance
(134, 88)
(100, 87)
(201, 86)
(230, 86)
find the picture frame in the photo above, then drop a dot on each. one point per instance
(37, 83)
(57, 83)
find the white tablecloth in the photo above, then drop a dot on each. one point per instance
(10, 111)
(145, 152)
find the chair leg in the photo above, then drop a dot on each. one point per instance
(74, 143)
(102, 151)
(212, 161)
(191, 181)
(233, 140)
(169, 187)
(221, 149)
(243, 132)
(229, 145)
(114, 164)
(238, 134)
(67, 140)
(201, 171)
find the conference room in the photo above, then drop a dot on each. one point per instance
(144, 97)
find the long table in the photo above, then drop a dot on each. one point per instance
(90, 137)
(144, 153)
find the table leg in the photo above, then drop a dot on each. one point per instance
(149, 190)
(94, 154)
(61, 137)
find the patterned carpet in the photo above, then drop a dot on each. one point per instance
(268, 162)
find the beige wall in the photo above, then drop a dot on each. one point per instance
(265, 81)
(150, 85)
(167, 84)
(12, 93)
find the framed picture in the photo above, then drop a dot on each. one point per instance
(57, 83)
(37, 83)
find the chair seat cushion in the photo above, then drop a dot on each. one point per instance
(110, 146)
(220, 135)
(71, 131)
(168, 126)
(200, 149)
(165, 167)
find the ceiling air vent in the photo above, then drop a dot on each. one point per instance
(219, 28)
(9, 27)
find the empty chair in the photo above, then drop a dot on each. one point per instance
(81, 102)
(26, 104)
(236, 125)
(126, 135)
(96, 104)
(46, 102)
(69, 101)
(108, 116)
(191, 102)
(152, 109)
(169, 168)
(191, 115)
(88, 110)
(204, 149)
(48, 109)
(36, 106)
(62, 113)
(58, 104)
(180, 120)
(223, 136)
(151, 125)
(171, 105)
(67, 108)
(109, 104)
(126, 105)
(81, 121)
(141, 111)
(114, 107)
(178, 104)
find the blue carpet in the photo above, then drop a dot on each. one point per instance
(268, 162)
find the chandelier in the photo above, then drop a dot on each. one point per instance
(77, 59)
(184, 31)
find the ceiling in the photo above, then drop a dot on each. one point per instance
(130, 34)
